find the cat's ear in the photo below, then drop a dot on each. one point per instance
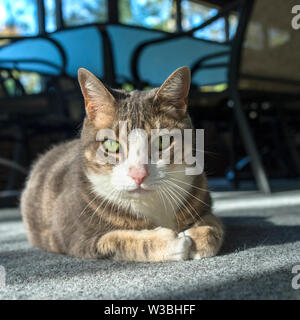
(172, 96)
(98, 100)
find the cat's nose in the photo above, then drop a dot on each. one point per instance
(138, 174)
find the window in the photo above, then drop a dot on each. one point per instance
(30, 81)
(153, 14)
(233, 23)
(50, 15)
(77, 12)
(193, 14)
(18, 18)
(215, 31)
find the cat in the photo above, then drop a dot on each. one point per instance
(75, 204)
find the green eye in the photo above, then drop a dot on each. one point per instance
(111, 146)
(164, 142)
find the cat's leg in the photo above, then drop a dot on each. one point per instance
(207, 235)
(160, 244)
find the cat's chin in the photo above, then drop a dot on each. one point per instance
(139, 191)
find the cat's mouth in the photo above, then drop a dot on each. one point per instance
(139, 190)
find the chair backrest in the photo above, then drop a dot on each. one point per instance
(158, 60)
(272, 47)
(39, 54)
(83, 48)
(124, 40)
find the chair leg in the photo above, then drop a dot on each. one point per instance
(20, 157)
(248, 140)
(289, 142)
(236, 180)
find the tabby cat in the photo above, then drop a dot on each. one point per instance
(127, 210)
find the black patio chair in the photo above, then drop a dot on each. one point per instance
(250, 74)
(23, 114)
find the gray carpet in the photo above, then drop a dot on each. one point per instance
(262, 245)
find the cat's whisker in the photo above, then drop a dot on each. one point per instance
(97, 196)
(112, 202)
(177, 203)
(189, 184)
(175, 171)
(174, 211)
(119, 204)
(179, 199)
(176, 185)
(162, 198)
(179, 210)
(88, 205)
(106, 198)
(185, 200)
(184, 190)
(115, 196)
(207, 152)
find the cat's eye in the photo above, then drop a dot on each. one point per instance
(111, 146)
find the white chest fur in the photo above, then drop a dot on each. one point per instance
(157, 208)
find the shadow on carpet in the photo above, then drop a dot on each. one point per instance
(260, 249)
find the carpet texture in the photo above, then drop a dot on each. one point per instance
(261, 247)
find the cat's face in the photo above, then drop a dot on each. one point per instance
(142, 162)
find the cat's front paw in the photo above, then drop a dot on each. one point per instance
(176, 247)
(206, 242)
(180, 248)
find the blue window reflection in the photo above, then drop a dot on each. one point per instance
(193, 14)
(77, 12)
(18, 18)
(50, 19)
(153, 14)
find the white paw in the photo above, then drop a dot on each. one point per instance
(186, 233)
(180, 248)
(197, 256)
(181, 235)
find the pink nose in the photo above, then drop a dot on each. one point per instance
(138, 174)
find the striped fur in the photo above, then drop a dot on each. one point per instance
(74, 205)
